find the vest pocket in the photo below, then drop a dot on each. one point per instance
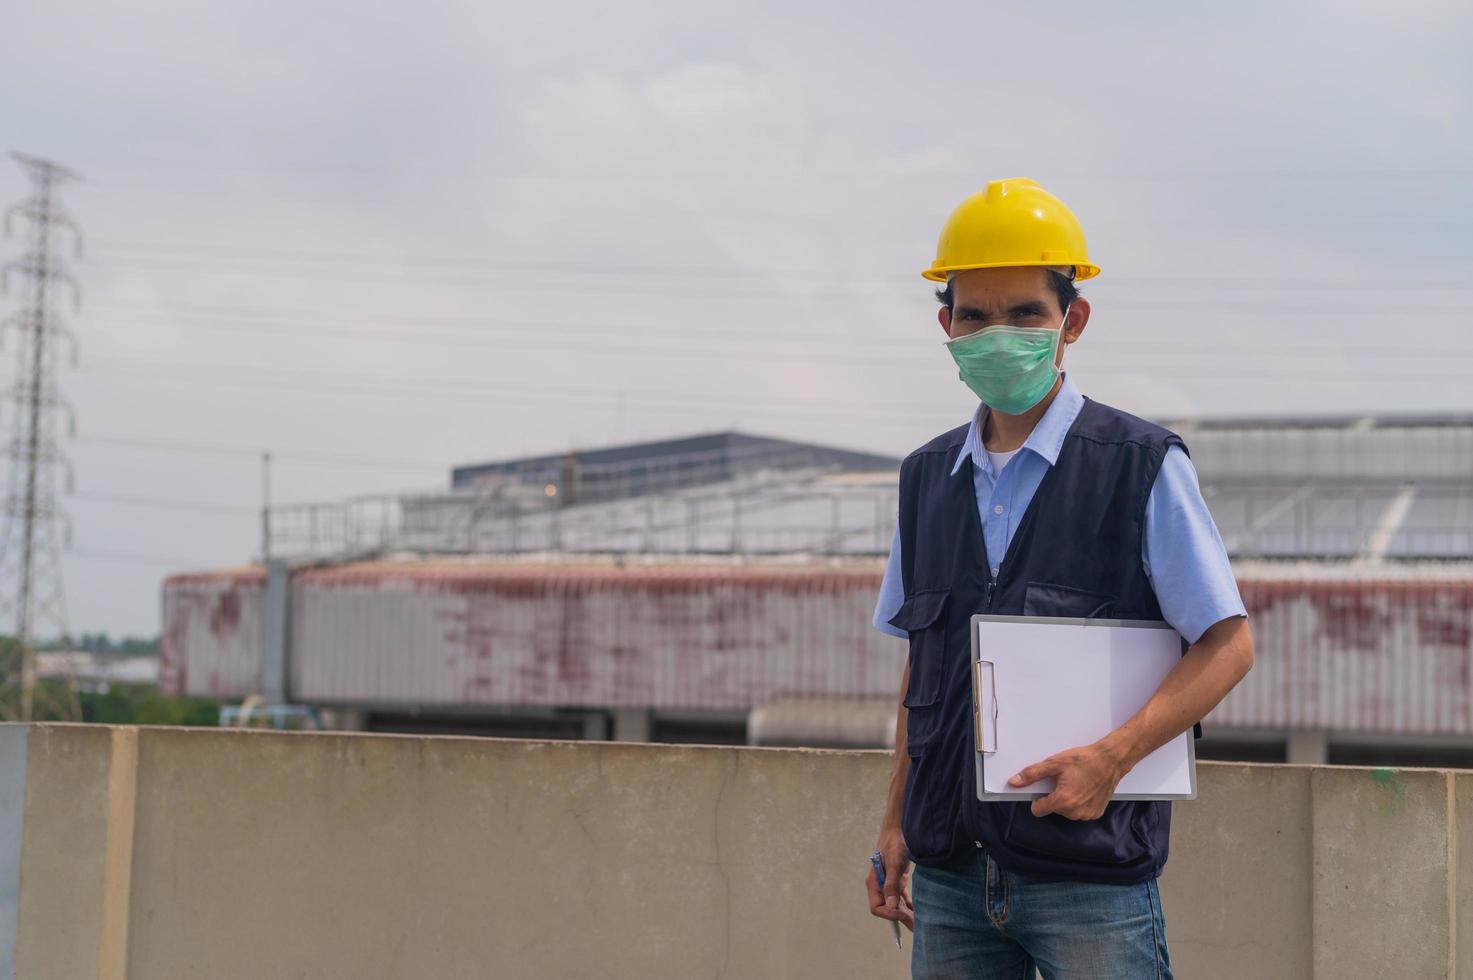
(921, 616)
(931, 801)
(1120, 835)
(1044, 599)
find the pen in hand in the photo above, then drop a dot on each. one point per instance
(879, 866)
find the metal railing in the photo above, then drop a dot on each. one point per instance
(791, 511)
(815, 511)
(571, 477)
(1383, 520)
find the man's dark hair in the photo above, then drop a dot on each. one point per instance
(1062, 285)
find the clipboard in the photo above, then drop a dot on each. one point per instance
(1044, 684)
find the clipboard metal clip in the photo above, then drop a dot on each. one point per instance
(985, 745)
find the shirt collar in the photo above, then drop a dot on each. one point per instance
(1046, 440)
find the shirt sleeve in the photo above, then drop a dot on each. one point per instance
(892, 592)
(1184, 556)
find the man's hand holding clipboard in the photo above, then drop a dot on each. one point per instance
(1085, 779)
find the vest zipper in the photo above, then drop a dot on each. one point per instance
(986, 607)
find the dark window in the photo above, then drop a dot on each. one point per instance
(1438, 757)
(1234, 750)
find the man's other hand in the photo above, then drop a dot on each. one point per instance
(1085, 779)
(893, 901)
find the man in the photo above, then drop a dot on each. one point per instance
(1045, 504)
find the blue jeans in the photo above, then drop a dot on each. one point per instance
(979, 922)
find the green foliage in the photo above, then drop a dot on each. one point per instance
(121, 704)
(138, 704)
(146, 646)
(10, 651)
(10, 662)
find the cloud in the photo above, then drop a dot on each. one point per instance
(458, 230)
(707, 94)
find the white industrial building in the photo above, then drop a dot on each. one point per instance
(719, 588)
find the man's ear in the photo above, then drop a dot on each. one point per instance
(943, 316)
(1074, 323)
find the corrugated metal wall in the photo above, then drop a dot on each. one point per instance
(211, 643)
(1361, 656)
(683, 636)
(1339, 649)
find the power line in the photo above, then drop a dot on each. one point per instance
(464, 389)
(229, 184)
(570, 276)
(254, 452)
(491, 391)
(784, 347)
(137, 558)
(770, 406)
(760, 286)
(166, 503)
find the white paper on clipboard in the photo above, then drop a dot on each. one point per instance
(1042, 685)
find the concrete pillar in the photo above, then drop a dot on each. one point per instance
(346, 720)
(12, 811)
(1307, 748)
(595, 727)
(631, 725)
(1412, 890)
(277, 636)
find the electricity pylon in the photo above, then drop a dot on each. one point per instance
(31, 587)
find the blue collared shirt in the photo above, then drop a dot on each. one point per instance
(1182, 551)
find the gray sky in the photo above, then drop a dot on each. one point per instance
(383, 239)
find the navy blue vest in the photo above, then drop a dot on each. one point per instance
(1077, 552)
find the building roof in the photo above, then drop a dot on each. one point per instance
(637, 468)
(1410, 420)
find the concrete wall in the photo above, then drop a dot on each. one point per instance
(156, 853)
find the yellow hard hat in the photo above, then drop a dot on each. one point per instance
(1011, 223)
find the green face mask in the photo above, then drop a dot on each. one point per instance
(1009, 368)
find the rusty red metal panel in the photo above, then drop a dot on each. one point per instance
(211, 644)
(1338, 649)
(715, 636)
(1364, 654)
